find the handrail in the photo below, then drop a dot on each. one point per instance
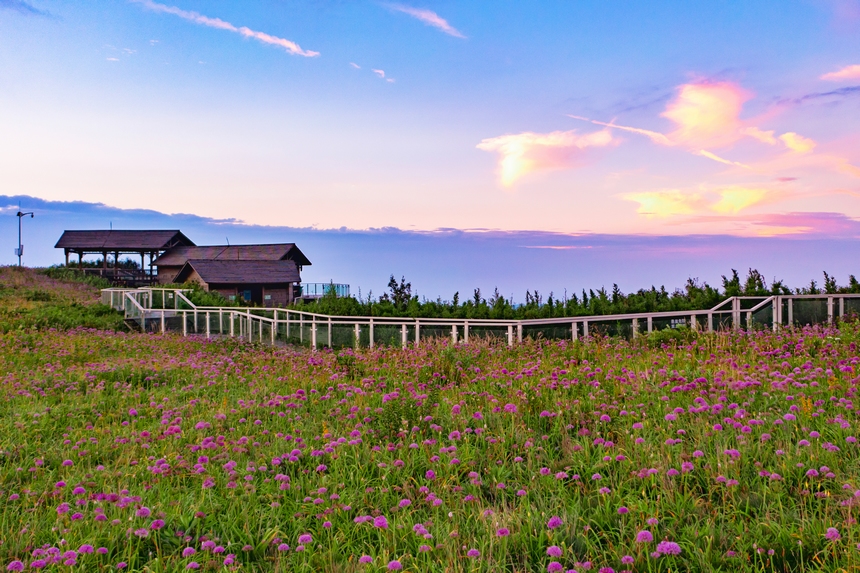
(305, 321)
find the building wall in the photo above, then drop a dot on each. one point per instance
(278, 296)
(166, 274)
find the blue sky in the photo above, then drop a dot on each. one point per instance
(632, 119)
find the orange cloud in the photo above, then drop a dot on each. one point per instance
(797, 143)
(707, 114)
(846, 73)
(734, 199)
(763, 136)
(666, 202)
(524, 153)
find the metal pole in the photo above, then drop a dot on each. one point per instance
(20, 249)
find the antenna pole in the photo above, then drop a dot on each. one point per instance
(20, 250)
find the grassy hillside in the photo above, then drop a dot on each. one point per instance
(41, 298)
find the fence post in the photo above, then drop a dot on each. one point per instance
(207, 324)
(357, 334)
(403, 335)
(736, 313)
(841, 307)
(749, 320)
(195, 321)
(232, 320)
(454, 334)
(250, 327)
(829, 310)
(301, 329)
(417, 332)
(329, 332)
(519, 333)
(694, 323)
(466, 332)
(220, 321)
(574, 330)
(585, 329)
(635, 327)
(777, 313)
(371, 333)
(710, 322)
(288, 325)
(314, 332)
(650, 324)
(163, 329)
(184, 323)
(791, 312)
(510, 335)
(274, 329)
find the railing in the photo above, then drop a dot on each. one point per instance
(318, 290)
(169, 310)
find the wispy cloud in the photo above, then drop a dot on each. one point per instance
(655, 136)
(729, 200)
(354, 65)
(718, 159)
(797, 143)
(288, 45)
(428, 17)
(22, 7)
(846, 73)
(524, 153)
(380, 73)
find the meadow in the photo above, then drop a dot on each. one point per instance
(143, 452)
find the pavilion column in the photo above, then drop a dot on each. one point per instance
(142, 262)
(104, 263)
(67, 257)
(80, 260)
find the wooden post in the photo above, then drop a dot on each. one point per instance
(829, 310)
(635, 327)
(404, 337)
(574, 330)
(232, 324)
(649, 324)
(694, 323)
(301, 329)
(510, 335)
(329, 332)
(273, 328)
(163, 329)
(220, 321)
(195, 320)
(417, 332)
(250, 327)
(791, 312)
(314, 332)
(736, 313)
(841, 307)
(749, 320)
(466, 332)
(585, 328)
(519, 333)
(371, 333)
(207, 325)
(710, 322)
(454, 334)
(357, 336)
(184, 323)
(275, 324)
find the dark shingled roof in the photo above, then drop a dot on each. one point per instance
(121, 240)
(240, 272)
(271, 252)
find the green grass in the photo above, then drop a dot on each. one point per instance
(134, 413)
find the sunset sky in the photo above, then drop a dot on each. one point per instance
(663, 118)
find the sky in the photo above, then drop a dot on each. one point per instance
(628, 120)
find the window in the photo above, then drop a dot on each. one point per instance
(267, 297)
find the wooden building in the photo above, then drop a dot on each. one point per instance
(171, 262)
(117, 243)
(263, 282)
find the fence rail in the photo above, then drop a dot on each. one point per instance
(169, 310)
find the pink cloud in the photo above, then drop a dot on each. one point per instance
(707, 114)
(219, 24)
(428, 17)
(524, 153)
(846, 73)
(833, 224)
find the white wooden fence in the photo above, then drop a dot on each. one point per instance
(170, 310)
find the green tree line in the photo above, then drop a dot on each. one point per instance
(399, 300)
